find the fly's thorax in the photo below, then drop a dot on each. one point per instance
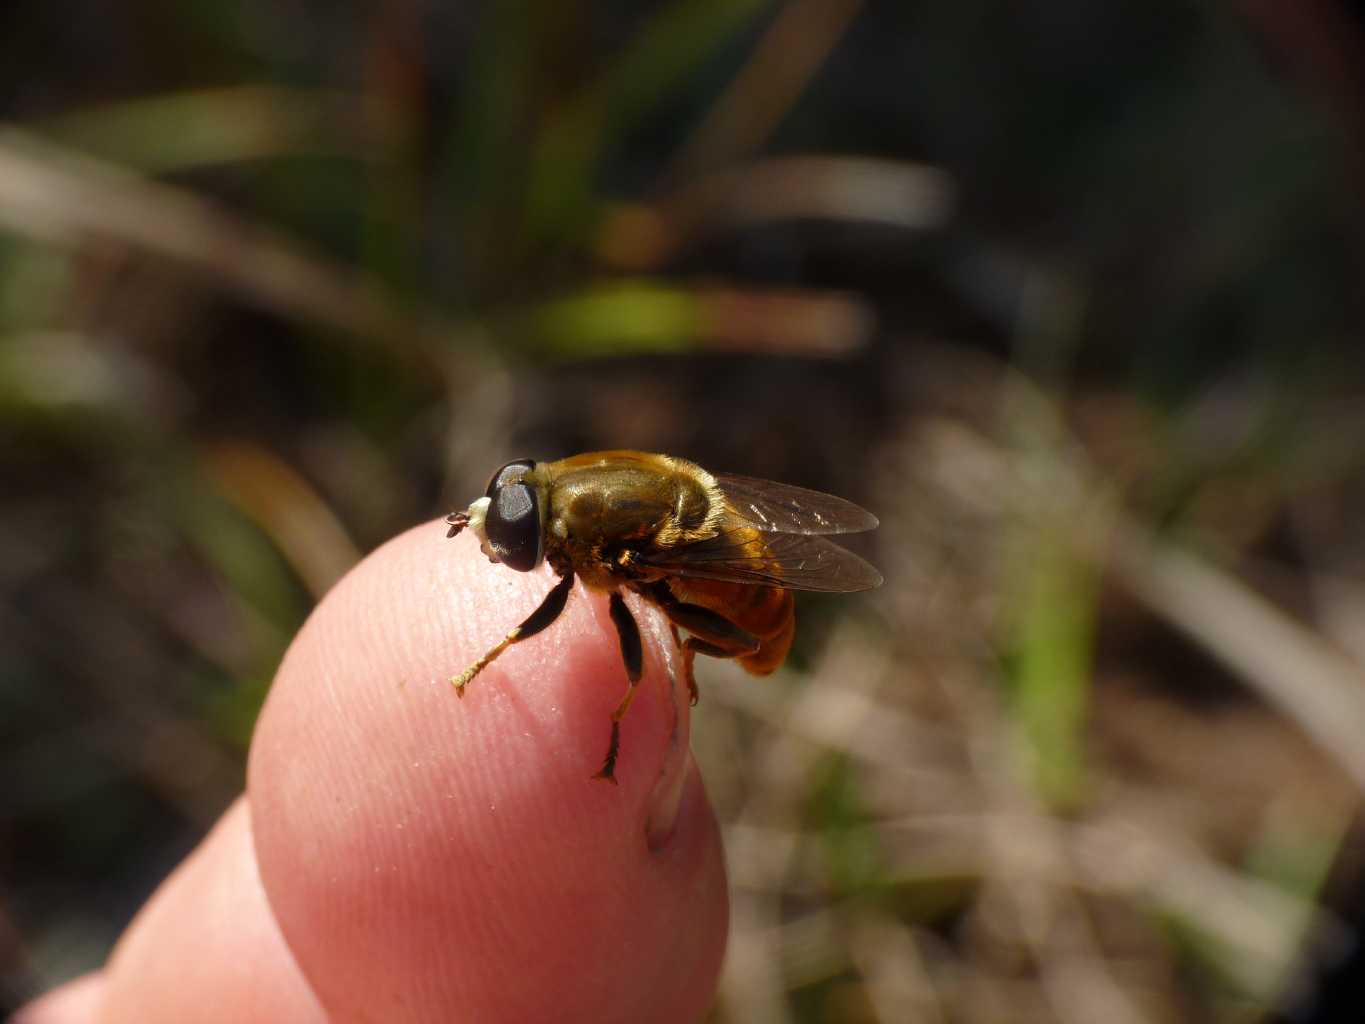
(697, 510)
(631, 503)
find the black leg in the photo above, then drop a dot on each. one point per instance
(712, 633)
(716, 630)
(608, 769)
(540, 618)
(717, 635)
(632, 653)
(715, 650)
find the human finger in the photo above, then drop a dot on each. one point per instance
(430, 858)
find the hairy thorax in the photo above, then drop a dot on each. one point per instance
(599, 517)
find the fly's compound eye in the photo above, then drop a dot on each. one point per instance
(512, 523)
(514, 470)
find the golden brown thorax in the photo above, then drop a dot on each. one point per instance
(603, 503)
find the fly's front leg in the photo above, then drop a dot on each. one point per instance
(632, 653)
(540, 618)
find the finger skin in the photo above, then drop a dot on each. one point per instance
(77, 1002)
(206, 947)
(432, 858)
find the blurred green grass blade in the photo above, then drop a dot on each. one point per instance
(69, 383)
(1052, 646)
(204, 128)
(232, 713)
(53, 195)
(844, 825)
(33, 282)
(391, 226)
(614, 320)
(668, 48)
(251, 568)
(662, 54)
(286, 507)
(1295, 851)
(639, 316)
(485, 174)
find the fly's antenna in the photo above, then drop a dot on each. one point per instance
(457, 521)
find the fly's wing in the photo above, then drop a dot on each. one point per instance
(740, 553)
(780, 508)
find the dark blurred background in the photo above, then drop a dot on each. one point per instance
(1068, 293)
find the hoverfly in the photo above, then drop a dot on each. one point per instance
(719, 554)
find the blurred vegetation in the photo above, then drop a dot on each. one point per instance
(1069, 295)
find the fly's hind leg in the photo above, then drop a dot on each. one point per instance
(710, 634)
(540, 618)
(693, 646)
(632, 653)
(690, 648)
(687, 654)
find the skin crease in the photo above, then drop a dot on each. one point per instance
(403, 855)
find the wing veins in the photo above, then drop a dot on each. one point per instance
(781, 508)
(790, 561)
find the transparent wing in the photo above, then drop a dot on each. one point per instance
(781, 508)
(741, 554)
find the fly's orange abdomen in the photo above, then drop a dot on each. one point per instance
(773, 650)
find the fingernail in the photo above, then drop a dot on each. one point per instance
(665, 799)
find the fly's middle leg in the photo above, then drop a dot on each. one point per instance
(632, 653)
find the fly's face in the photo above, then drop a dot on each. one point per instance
(509, 519)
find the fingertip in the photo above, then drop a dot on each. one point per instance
(428, 855)
(77, 1002)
